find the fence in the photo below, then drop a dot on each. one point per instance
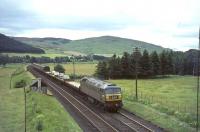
(162, 103)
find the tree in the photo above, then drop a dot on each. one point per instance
(33, 59)
(178, 62)
(125, 66)
(169, 66)
(145, 65)
(102, 70)
(155, 62)
(4, 59)
(163, 63)
(114, 67)
(59, 68)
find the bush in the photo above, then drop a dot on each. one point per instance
(76, 76)
(46, 68)
(39, 126)
(39, 123)
(20, 84)
(59, 68)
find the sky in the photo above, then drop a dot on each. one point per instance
(169, 23)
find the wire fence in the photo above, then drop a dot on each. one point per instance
(163, 103)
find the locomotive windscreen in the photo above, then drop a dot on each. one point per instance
(113, 90)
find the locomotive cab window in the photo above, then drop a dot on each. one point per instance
(113, 90)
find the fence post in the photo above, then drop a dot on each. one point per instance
(185, 108)
(178, 107)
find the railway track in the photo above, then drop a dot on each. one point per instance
(102, 121)
(134, 124)
(99, 123)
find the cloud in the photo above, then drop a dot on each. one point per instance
(169, 23)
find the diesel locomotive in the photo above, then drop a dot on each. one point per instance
(99, 91)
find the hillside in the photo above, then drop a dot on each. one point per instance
(54, 45)
(110, 45)
(8, 45)
(96, 45)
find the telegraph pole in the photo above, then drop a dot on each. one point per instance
(198, 84)
(136, 54)
(24, 109)
(73, 67)
(11, 80)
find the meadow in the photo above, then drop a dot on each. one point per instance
(51, 55)
(80, 68)
(41, 109)
(11, 102)
(169, 102)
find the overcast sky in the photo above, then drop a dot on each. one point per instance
(170, 23)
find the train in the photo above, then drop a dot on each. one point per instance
(108, 95)
(99, 91)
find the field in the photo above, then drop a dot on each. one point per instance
(51, 55)
(175, 89)
(41, 109)
(168, 102)
(80, 68)
(11, 112)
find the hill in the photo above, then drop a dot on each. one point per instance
(110, 45)
(96, 45)
(8, 45)
(54, 45)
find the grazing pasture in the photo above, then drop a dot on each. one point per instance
(165, 101)
(80, 68)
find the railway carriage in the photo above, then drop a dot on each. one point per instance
(99, 91)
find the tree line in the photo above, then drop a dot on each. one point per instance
(148, 65)
(4, 59)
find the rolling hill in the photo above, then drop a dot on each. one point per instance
(96, 45)
(9, 45)
(110, 45)
(54, 45)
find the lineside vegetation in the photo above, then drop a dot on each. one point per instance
(43, 112)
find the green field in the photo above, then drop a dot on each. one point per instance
(169, 102)
(40, 108)
(80, 68)
(11, 104)
(51, 55)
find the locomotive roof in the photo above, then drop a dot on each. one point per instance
(99, 83)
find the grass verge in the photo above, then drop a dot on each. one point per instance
(42, 111)
(46, 112)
